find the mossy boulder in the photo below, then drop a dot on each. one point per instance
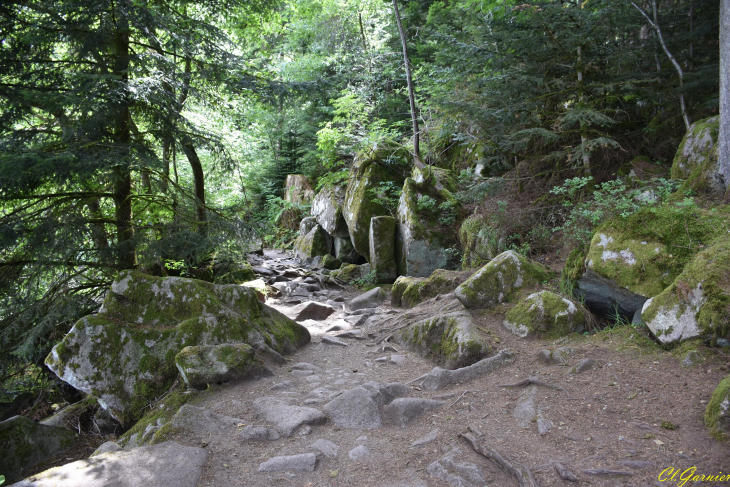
(382, 248)
(327, 210)
(697, 302)
(209, 364)
(696, 160)
(232, 272)
(345, 251)
(125, 354)
(420, 249)
(430, 174)
(331, 263)
(297, 189)
(496, 281)
(351, 272)
(451, 339)
(717, 413)
(316, 242)
(24, 443)
(73, 415)
(407, 292)
(360, 203)
(479, 240)
(544, 314)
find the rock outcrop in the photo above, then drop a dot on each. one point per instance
(419, 251)
(203, 365)
(717, 413)
(450, 338)
(297, 189)
(345, 251)
(125, 354)
(327, 210)
(315, 242)
(24, 443)
(505, 274)
(544, 314)
(382, 248)
(409, 291)
(696, 161)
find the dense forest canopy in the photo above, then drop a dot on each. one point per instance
(158, 134)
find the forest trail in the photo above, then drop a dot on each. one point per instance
(607, 424)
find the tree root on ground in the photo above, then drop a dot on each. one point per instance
(517, 471)
(534, 381)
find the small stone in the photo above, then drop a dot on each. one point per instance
(327, 448)
(399, 359)
(354, 409)
(359, 452)
(283, 386)
(333, 341)
(693, 357)
(259, 433)
(583, 366)
(431, 436)
(382, 360)
(305, 462)
(405, 410)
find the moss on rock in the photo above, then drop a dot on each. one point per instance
(203, 365)
(382, 248)
(351, 272)
(409, 291)
(496, 281)
(125, 354)
(331, 263)
(717, 413)
(696, 160)
(544, 314)
(697, 302)
(316, 242)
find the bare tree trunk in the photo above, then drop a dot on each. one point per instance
(655, 25)
(724, 136)
(199, 183)
(412, 99)
(583, 125)
(123, 178)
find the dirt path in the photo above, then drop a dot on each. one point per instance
(607, 425)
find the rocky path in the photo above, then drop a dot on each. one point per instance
(351, 408)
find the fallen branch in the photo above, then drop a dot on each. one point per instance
(534, 381)
(519, 472)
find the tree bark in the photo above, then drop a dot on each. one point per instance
(724, 136)
(583, 125)
(199, 182)
(122, 188)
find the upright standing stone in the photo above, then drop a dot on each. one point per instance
(345, 251)
(382, 248)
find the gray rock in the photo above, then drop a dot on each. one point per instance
(305, 462)
(399, 359)
(360, 452)
(691, 358)
(438, 377)
(544, 425)
(203, 365)
(431, 436)
(456, 473)
(449, 338)
(356, 334)
(370, 299)
(327, 210)
(383, 394)
(106, 447)
(306, 366)
(315, 243)
(311, 310)
(105, 424)
(345, 251)
(152, 319)
(605, 297)
(258, 433)
(307, 224)
(202, 422)
(283, 386)
(328, 340)
(697, 158)
(69, 416)
(526, 410)
(555, 357)
(321, 394)
(405, 410)
(544, 313)
(24, 443)
(584, 365)
(301, 373)
(161, 465)
(285, 417)
(354, 409)
(327, 448)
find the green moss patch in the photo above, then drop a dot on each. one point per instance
(409, 291)
(717, 413)
(544, 314)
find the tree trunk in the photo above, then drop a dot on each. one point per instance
(583, 125)
(199, 182)
(724, 136)
(123, 178)
(412, 100)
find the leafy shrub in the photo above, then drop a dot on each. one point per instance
(387, 194)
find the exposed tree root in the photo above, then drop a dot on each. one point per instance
(534, 381)
(519, 472)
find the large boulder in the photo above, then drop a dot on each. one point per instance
(696, 161)
(327, 210)
(420, 250)
(345, 251)
(351, 272)
(24, 443)
(607, 298)
(544, 314)
(409, 291)
(717, 413)
(316, 242)
(361, 203)
(125, 354)
(160, 465)
(479, 240)
(382, 248)
(496, 281)
(209, 364)
(451, 338)
(697, 302)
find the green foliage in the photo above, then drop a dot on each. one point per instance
(387, 194)
(426, 203)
